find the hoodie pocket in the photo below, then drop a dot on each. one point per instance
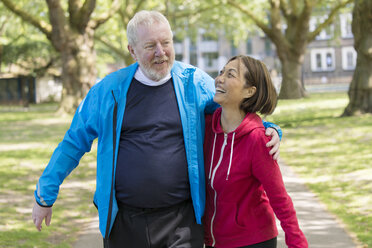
(226, 224)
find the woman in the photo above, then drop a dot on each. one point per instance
(245, 186)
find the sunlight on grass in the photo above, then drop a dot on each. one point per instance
(333, 154)
(27, 140)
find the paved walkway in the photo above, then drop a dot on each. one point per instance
(321, 229)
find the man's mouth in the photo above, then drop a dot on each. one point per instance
(159, 62)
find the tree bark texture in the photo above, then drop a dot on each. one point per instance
(73, 37)
(292, 87)
(360, 91)
(78, 69)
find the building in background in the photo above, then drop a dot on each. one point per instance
(330, 59)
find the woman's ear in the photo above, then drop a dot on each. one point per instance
(250, 91)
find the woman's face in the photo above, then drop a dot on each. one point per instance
(230, 85)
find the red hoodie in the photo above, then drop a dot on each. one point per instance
(244, 188)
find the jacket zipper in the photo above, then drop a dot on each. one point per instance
(215, 193)
(108, 223)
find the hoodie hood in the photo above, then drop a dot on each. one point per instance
(250, 122)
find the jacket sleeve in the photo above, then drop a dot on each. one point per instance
(267, 171)
(276, 127)
(76, 142)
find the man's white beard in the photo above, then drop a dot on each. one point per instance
(155, 74)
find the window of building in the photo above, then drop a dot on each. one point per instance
(326, 33)
(210, 59)
(348, 58)
(234, 49)
(323, 59)
(329, 60)
(318, 61)
(249, 46)
(179, 57)
(345, 25)
(268, 50)
(193, 59)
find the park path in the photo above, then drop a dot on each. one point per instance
(321, 228)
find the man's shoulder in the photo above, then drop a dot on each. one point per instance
(117, 77)
(181, 68)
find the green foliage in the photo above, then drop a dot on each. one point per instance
(22, 44)
(333, 154)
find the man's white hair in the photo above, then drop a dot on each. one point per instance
(147, 18)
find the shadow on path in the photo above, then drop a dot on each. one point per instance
(321, 228)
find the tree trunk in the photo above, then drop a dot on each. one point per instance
(1, 57)
(360, 91)
(78, 69)
(291, 87)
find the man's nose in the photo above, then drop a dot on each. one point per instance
(159, 51)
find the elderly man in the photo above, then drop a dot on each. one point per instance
(149, 121)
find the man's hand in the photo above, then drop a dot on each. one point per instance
(39, 213)
(274, 142)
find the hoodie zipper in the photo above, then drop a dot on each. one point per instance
(215, 192)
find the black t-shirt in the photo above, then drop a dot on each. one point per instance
(152, 168)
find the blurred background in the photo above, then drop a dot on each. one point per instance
(319, 54)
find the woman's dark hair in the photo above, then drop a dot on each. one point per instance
(265, 99)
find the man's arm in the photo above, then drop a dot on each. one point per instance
(78, 140)
(276, 135)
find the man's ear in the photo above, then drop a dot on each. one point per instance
(132, 53)
(250, 91)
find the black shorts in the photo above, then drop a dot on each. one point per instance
(174, 226)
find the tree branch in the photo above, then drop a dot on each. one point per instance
(115, 6)
(58, 21)
(275, 15)
(85, 13)
(294, 6)
(265, 28)
(328, 21)
(193, 12)
(113, 48)
(73, 9)
(284, 8)
(138, 7)
(44, 27)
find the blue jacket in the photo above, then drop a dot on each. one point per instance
(95, 118)
(100, 115)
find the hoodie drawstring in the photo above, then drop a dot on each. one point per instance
(214, 144)
(231, 155)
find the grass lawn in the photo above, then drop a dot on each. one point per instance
(27, 140)
(333, 154)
